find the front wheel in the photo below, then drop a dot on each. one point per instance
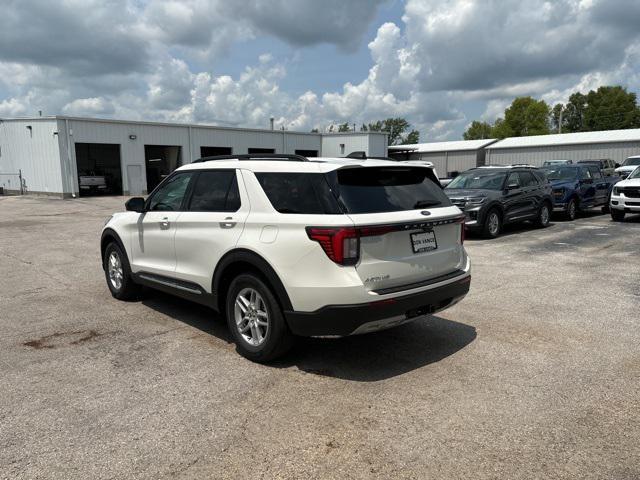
(255, 320)
(617, 215)
(118, 274)
(492, 224)
(544, 216)
(572, 209)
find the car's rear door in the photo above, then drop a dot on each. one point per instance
(409, 230)
(211, 224)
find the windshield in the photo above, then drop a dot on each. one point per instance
(631, 161)
(560, 173)
(635, 173)
(478, 180)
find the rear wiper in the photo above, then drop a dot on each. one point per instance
(426, 204)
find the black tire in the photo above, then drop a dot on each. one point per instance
(571, 211)
(126, 289)
(617, 215)
(544, 216)
(606, 208)
(492, 224)
(278, 339)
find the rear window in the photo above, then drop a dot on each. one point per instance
(306, 193)
(386, 189)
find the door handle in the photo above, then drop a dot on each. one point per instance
(164, 223)
(228, 223)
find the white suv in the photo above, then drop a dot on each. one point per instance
(625, 196)
(282, 245)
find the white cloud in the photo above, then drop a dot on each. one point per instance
(151, 60)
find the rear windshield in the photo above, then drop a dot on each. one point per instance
(353, 190)
(386, 189)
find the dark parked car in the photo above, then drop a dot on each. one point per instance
(491, 197)
(607, 165)
(579, 187)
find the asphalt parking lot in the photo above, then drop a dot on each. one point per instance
(536, 374)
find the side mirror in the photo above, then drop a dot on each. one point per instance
(135, 204)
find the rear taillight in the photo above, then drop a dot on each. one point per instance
(341, 244)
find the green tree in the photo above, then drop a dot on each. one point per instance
(573, 115)
(527, 116)
(558, 118)
(478, 131)
(315, 130)
(344, 127)
(412, 137)
(500, 129)
(611, 108)
(395, 127)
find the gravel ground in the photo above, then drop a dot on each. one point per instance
(536, 374)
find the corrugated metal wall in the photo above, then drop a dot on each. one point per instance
(190, 139)
(331, 144)
(34, 151)
(537, 155)
(447, 162)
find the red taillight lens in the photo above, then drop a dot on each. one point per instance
(341, 244)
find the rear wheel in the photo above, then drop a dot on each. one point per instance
(492, 224)
(118, 274)
(544, 216)
(255, 320)
(617, 215)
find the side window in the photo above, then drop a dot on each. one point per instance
(595, 173)
(514, 179)
(528, 180)
(585, 174)
(215, 191)
(171, 194)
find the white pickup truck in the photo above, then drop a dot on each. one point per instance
(625, 196)
(92, 183)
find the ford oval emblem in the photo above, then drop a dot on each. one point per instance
(426, 213)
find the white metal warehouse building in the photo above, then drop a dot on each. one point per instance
(614, 144)
(447, 157)
(51, 153)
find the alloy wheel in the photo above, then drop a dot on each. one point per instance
(494, 224)
(115, 270)
(251, 316)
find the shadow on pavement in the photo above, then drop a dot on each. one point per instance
(363, 358)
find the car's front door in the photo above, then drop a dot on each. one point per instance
(601, 186)
(587, 188)
(532, 193)
(515, 202)
(152, 245)
(210, 225)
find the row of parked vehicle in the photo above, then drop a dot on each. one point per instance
(494, 196)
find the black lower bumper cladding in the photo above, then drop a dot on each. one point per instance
(340, 320)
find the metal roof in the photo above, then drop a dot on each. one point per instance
(460, 145)
(606, 136)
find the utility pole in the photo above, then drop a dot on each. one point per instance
(560, 121)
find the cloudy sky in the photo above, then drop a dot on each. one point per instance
(309, 63)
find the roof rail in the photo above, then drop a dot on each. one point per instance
(361, 155)
(255, 156)
(513, 165)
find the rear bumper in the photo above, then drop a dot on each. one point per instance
(341, 320)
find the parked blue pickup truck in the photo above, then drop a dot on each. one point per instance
(579, 187)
